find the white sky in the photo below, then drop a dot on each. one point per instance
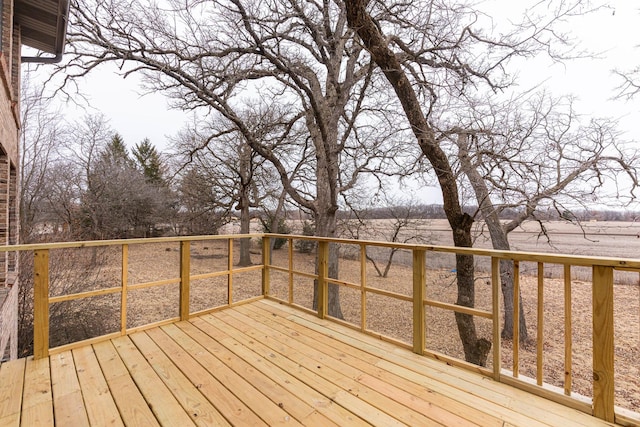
(611, 31)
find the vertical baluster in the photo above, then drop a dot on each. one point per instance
(41, 304)
(419, 283)
(266, 273)
(363, 285)
(123, 294)
(540, 329)
(603, 343)
(230, 272)
(290, 271)
(568, 336)
(185, 277)
(323, 272)
(495, 297)
(516, 319)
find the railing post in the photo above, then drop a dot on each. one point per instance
(495, 298)
(516, 319)
(41, 303)
(230, 270)
(123, 295)
(185, 271)
(419, 283)
(266, 249)
(323, 273)
(603, 343)
(568, 335)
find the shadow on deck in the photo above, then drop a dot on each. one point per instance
(261, 363)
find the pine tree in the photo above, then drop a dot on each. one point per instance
(148, 159)
(116, 153)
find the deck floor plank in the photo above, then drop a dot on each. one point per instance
(130, 402)
(201, 411)
(164, 405)
(12, 381)
(362, 409)
(208, 384)
(335, 371)
(275, 372)
(251, 382)
(259, 364)
(522, 407)
(440, 407)
(101, 408)
(386, 410)
(69, 405)
(37, 399)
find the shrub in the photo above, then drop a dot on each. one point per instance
(282, 228)
(307, 246)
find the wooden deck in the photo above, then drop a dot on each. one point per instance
(260, 364)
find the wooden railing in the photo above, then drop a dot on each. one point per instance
(41, 281)
(601, 405)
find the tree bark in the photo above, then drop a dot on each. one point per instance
(244, 203)
(475, 349)
(326, 227)
(499, 239)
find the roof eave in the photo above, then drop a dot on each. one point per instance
(53, 39)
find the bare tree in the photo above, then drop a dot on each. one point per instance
(398, 221)
(236, 172)
(528, 154)
(433, 55)
(203, 210)
(42, 131)
(298, 55)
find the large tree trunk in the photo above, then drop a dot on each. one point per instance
(326, 227)
(499, 239)
(245, 225)
(244, 203)
(475, 349)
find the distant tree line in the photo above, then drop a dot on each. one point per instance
(436, 211)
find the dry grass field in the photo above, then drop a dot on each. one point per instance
(153, 262)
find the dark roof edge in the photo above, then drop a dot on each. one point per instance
(61, 37)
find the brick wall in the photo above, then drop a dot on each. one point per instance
(9, 130)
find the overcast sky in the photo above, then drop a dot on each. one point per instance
(611, 32)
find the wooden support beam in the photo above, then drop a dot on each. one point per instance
(419, 283)
(603, 343)
(230, 270)
(568, 335)
(41, 303)
(123, 296)
(516, 318)
(323, 273)
(495, 303)
(266, 261)
(540, 330)
(185, 277)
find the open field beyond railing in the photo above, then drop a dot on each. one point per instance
(584, 334)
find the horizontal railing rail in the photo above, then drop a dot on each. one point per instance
(600, 405)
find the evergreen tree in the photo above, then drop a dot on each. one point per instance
(116, 153)
(148, 159)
